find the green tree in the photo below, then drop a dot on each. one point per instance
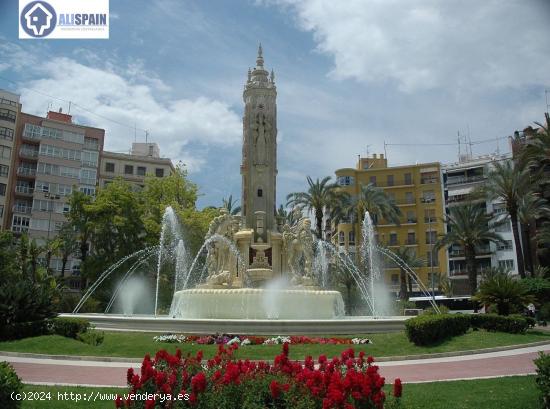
(503, 292)
(510, 184)
(531, 208)
(468, 226)
(81, 221)
(231, 205)
(320, 196)
(410, 258)
(8, 256)
(68, 245)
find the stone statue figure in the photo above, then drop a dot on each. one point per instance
(219, 258)
(298, 245)
(262, 130)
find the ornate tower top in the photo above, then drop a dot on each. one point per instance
(259, 76)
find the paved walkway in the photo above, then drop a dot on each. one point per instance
(93, 373)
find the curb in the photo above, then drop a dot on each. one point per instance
(137, 361)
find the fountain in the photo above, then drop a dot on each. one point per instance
(254, 273)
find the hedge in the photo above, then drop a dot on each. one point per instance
(69, 327)
(513, 324)
(430, 329)
(9, 383)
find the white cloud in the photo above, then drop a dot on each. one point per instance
(458, 45)
(129, 95)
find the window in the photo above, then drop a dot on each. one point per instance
(6, 101)
(346, 180)
(431, 237)
(390, 180)
(128, 169)
(2, 189)
(431, 257)
(5, 152)
(429, 216)
(91, 143)
(503, 227)
(341, 238)
(408, 179)
(141, 170)
(433, 280)
(393, 239)
(20, 223)
(372, 180)
(88, 176)
(7, 114)
(428, 196)
(394, 279)
(55, 152)
(506, 264)
(89, 158)
(159, 172)
(260, 192)
(6, 133)
(507, 245)
(411, 238)
(499, 208)
(351, 238)
(87, 190)
(411, 216)
(4, 170)
(1, 210)
(109, 167)
(409, 197)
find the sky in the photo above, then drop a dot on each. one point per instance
(352, 76)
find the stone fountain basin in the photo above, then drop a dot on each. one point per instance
(257, 303)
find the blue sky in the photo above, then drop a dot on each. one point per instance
(350, 75)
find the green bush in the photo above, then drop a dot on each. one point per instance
(514, 324)
(430, 310)
(543, 378)
(91, 337)
(431, 329)
(544, 312)
(9, 383)
(21, 330)
(69, 327)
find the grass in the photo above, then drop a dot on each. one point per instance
(517, 392)
(136, 345)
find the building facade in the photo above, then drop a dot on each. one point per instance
(142, 161)
(460, 179)
(418, 192)
(10, 109)
(54, 156)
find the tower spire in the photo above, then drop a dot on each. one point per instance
(260, 59)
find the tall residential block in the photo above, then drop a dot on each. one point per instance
(143, 160)
(418, 192)
(10, 109)
(54, 156)
(460, 179)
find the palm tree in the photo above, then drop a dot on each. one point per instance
(408, 255)
(537, 149)
(505, 293)
(68, 245)
(231, 206)
(510, 184)
(320, 197)
(374, 200)
(468, 226)
(531, 207)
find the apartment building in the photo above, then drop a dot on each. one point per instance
(460, 179)
(143, 160)
(54, 157)
(10, 109)
(418, 192)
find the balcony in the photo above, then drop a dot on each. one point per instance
(19, 208)
(428, 181)
(411, 242)
(430, 220)
(428, 199)
(19, 229)
(411, 220)
(24, 190)
(464, 179)
(28, 153)
(480, 251)
(21, 171)
(31, 136)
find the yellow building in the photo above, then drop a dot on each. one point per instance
(418, 192)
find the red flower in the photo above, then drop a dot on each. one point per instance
(275, 389)
(370, 360)
(149, 404)
(130, 375)
(198, 383)
(119, 402)
(285, 348)
(397, 388)
(199, 356)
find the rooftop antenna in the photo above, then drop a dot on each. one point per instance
(368, 150)
(469, 141)
(146, 135)
(459, 146)
(385, 152)
(135, 132)
(69, 111)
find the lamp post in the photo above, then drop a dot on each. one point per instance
(51, 198)
(432, 258)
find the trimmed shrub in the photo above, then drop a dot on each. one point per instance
(91, 337)
(21, 330)
(431, 329)
(9, 383)
(543, 378)
(514, 324)
(69, 327)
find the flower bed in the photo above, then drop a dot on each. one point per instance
(228, 339)
(346, 382)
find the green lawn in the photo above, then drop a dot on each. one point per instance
(518, 392)
(136, 345)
